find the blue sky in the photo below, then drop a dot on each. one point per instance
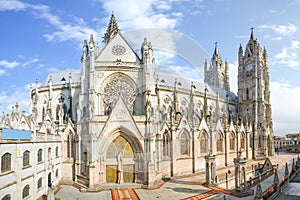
(39, 37)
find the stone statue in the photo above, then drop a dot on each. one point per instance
(120, 166)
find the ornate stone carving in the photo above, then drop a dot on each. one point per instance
(118, 50)
(120, 86)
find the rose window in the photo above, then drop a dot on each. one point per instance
(120, 86)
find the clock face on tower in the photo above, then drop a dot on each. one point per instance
(248, 69)
(118, 50)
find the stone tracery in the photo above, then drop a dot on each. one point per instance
(120, 85)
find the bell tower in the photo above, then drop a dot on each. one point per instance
(254, 106)
(216, 73)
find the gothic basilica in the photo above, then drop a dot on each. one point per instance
(116, 120)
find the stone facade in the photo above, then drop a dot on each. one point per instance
(120, 121)
(30, 167)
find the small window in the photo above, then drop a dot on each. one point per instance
(56, 173)
(247, 93)
(40, 155)
(49, 153)
(70, 146)
(6, 197)
(242, 141)
(26, 158)
(166, 144)
(56, 152)
(26, 191)
(40, 183)
(231, 142)
(6, 162)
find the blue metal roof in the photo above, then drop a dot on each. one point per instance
(12, 134)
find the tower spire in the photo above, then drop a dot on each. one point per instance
(216, 53)
(111, 30)
(252, 34)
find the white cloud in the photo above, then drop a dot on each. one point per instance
(269, 37)
(285, 106)
(8, 99)
(75, 32)
(2, 72)
(277, 12)
(144, 14)
(29, 62)
(233, 73)
(53, 69)
(12, 5)
(242, 36)
(12, 64)
(285, 30)
(8, 64)
(288, 56)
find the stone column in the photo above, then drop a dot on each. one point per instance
(240, 167)
(258, 193)
(210, 169)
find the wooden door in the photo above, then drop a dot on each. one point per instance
(111, 174)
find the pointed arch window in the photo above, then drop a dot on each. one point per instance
(70, 144)
(56, 152)
(220, 143)
(40, 183)
(26, 158)
(169, 112)
(184, 144)
(65, 109)
(26, 191)
(6, 162)
(163, 113)
(247, 93)
(251, 140)
(243, 140)
(40, 155)
(231, 142)
(6, 197)
(49, 153)
(203, 142)
(166, 144)
(57, 112)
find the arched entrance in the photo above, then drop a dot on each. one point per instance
(49, 180)
(120, 161)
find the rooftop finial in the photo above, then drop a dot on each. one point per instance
(112, 29)
(216, 48)
(252, 35)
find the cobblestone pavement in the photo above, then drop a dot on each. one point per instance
(181, 188)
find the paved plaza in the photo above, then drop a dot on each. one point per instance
(184, 188)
